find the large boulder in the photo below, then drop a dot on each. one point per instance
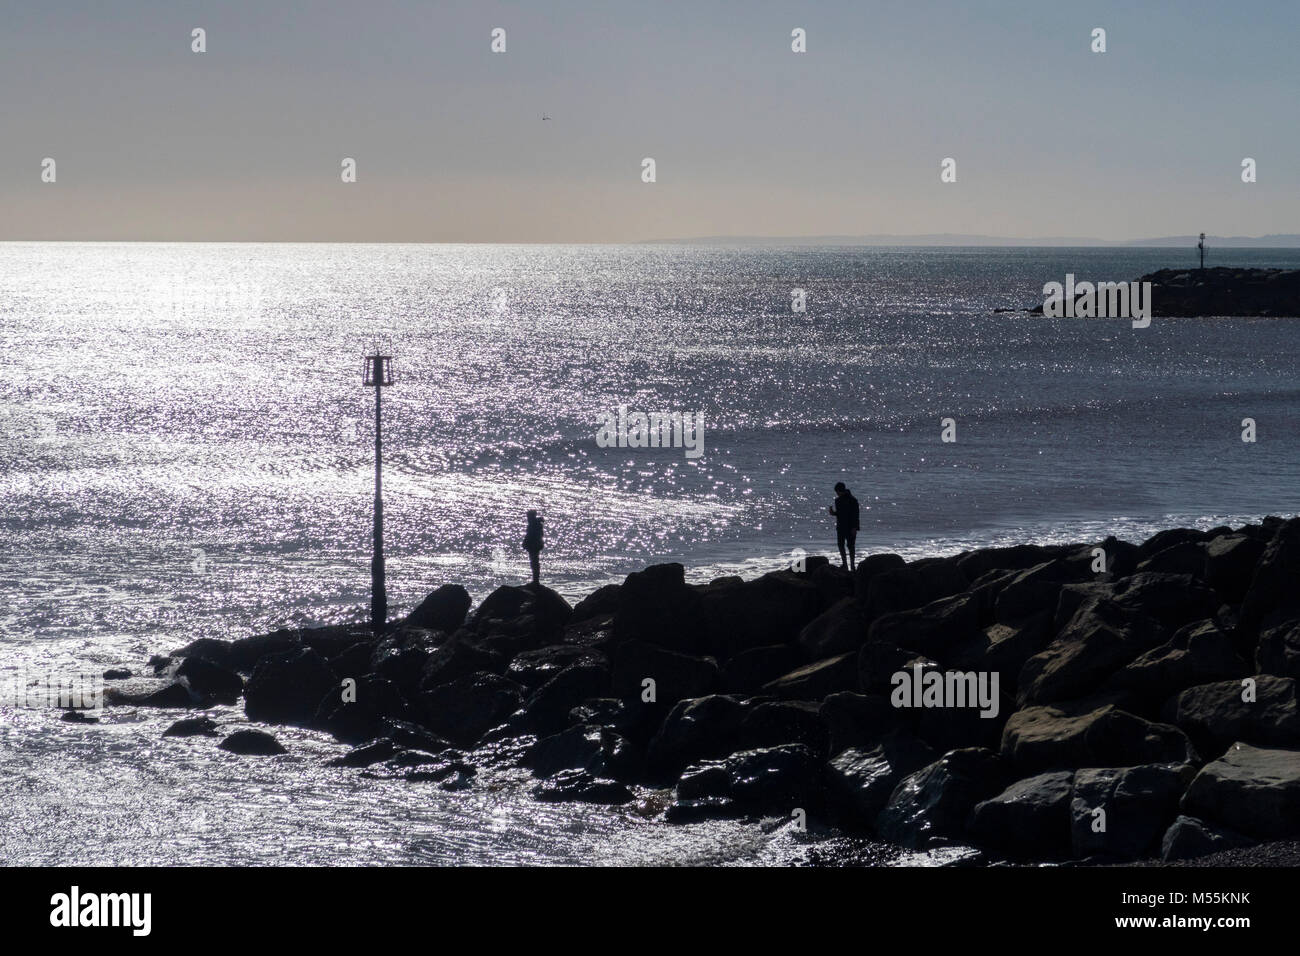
(748, 671)
(211, 680)
(655, 606)
(699, 729)
(600, 603)
(676, 676)
(1230, 562)
(931, 806)
(443, 610)
(361, 713)
(870, 567)
(1018, 557)
(1034, 591)
(1122, 813)
(771, 609)
(817, 680)
(467, 708)
(1028, 820)
(288, 688)
(859, 781)
(1274, 593)
(1258, 710)
(1099, 639)
(459, 655)
(1197, 654)
(1002, 649)
(1068, 736)
(913, 585)
(1278, 651)
(534, 668)
(773, 723)
(1254, 790)
(547, 709)
(780, 779)
(857, 720)
(841, 628)
(935, 629)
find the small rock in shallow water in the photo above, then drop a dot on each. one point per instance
(582, 787)
(192, 727)
(117, 673)
(253, 743)
(78, 717)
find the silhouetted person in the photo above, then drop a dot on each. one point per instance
(533, 544)
(845, 511)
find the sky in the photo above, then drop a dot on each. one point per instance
(245, 142)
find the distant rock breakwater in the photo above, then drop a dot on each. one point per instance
(1103, 701)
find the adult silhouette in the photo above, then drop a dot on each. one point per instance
(845, 511)
(533, 544)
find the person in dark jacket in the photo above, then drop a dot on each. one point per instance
(533, 544)
(845, 511)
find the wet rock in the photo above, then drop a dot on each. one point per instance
(1068, 736)
(192, 727)
(1028, 820)
(255, 743)
(708, 779)
(534, 668)
(1019, 557)
(247, 651)
(775, 778)
(1215, 715)
(288, 688)
(458, 656)
(773, 723)
(577, 748)
(401, 666)
(1188, 837)
(931, 806)
(817, 680)
(676, 676)
(1138, 804)
(79, 717)
(548, 707)
(578, 786)
(211, 680)
(608, 712)
(748, 671)
(352, 661)
(857, 720)
(467, 708)
(443, 610)
(696, 729)
(361, 713)
(860, 781)
(117, 674)
(1254, 790)
(376, 751)
(151, 693)
(411, 736)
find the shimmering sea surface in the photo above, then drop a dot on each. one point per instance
(185, 451)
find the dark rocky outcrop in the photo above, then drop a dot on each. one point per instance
(1121, 668)
(256, 743)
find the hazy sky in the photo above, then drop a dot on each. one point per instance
(245, 141)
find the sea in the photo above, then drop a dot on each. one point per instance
(187, 450)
